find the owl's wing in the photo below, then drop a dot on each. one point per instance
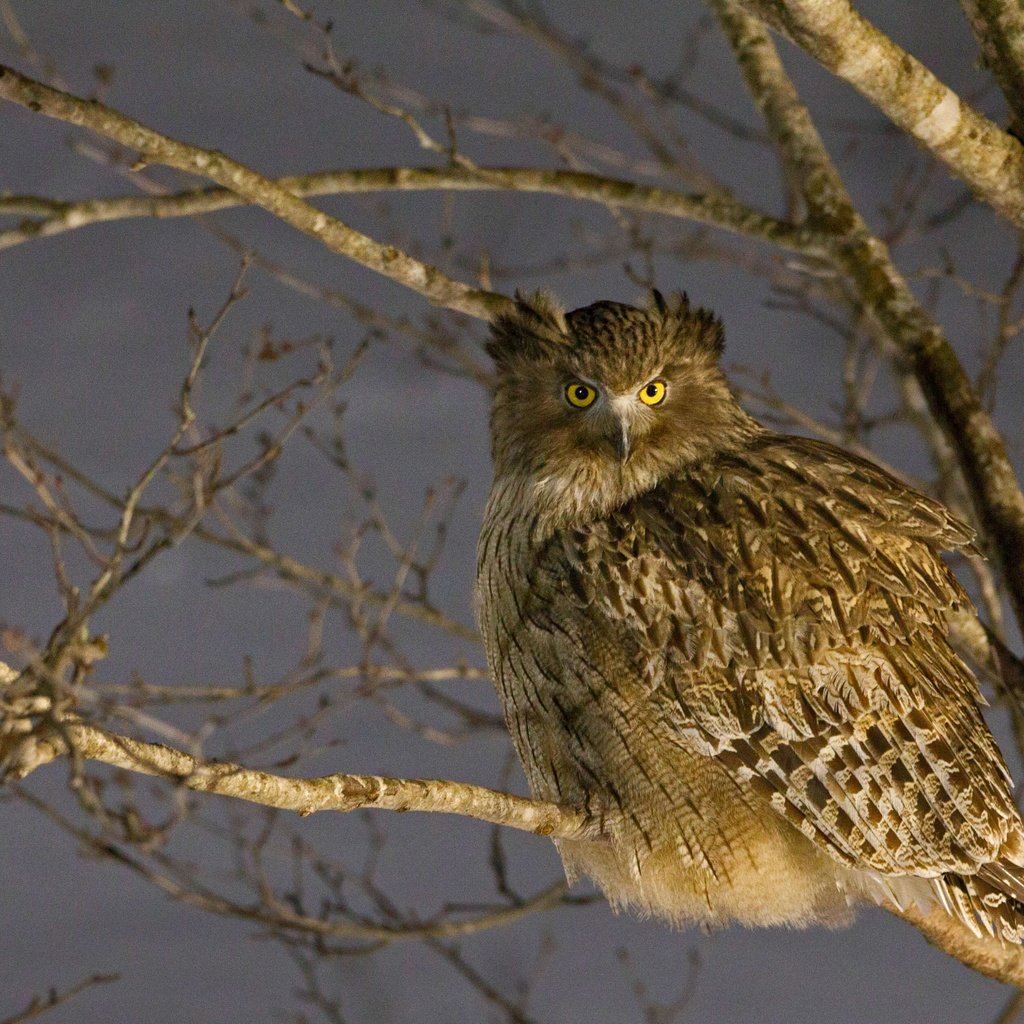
(789, 604)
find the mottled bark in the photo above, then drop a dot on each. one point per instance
(339, 792)
(999, 28)
(788, 120)
(976, 150)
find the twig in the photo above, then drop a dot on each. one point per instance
(282, 915)
(43, 1004)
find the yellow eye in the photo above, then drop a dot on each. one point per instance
(579, 395)
(653, 393)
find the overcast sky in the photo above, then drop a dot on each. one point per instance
(93, 329)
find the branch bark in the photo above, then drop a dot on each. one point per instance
(715, 209)
(999, 28)
(975, 149)
(346, 792)
(339, 792)
(986, 956)
(337, 236)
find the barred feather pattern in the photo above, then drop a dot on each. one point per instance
(743, 667)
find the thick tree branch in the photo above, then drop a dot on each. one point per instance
(153, 147)
(865, 260)
(344, 792)
(789, 122)
(340, 792)
(975, 149)
(999, 28)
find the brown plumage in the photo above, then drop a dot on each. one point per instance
(728, 644)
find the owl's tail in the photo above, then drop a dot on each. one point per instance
(990, 903)
(975, 920)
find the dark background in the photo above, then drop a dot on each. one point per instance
(93, 337)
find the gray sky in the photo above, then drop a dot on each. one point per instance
(92, 335)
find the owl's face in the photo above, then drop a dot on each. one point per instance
(596, 405)
(616, 419)
(575, 410)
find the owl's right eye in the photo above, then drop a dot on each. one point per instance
(579, 395)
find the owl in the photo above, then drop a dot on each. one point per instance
(728, 645)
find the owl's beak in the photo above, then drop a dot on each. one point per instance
(621, 438)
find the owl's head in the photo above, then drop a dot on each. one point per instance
(598, 404)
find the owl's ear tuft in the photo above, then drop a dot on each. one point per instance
(531, 330)
(694, 330)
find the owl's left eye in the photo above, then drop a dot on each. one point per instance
(653, 393)
(579, 395)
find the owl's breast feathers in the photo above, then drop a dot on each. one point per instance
(786, 606)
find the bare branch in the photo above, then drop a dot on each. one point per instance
(671, 151)
(999, 28)
(453, 955)
(1010, 1014)
(43, 1004)
(975, 149)
(1005, 963)
(715, 209)
(154, 147)
(345, 792)
(340, 792)
(324, 932)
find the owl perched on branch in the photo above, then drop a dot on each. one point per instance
(729, 645)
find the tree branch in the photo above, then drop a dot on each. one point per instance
(340, 792)
(346, 792)
(154, 147)
(865, 260)
(40, 1005)
(999, 28)
(715, 209)
(789, 122)
(975, 149)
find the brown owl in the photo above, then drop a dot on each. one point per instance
(727, 644)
